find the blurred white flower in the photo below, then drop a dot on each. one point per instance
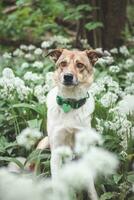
(85, 138)
(25, 65)
(29, 57)
(38, 51)
(114, 51)
(129, 63)
(108, 99)
(50, 80)
(18, 52)
(38, 64)
(65, 153)
(39, 93)
(28, 137)
(46, 44)
(31, 47)
(101, 161)
(124, 51)
(30, 76)
(24, 47)
(129, 78)
(8, 73)
(130, 89)
(114, 69)
(7, 55)
(60, 39)
(126, 105)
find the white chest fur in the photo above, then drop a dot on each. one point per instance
(61, 125)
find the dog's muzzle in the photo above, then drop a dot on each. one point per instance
(68, 79)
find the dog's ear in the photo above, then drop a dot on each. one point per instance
(93, 55)
(55, 54)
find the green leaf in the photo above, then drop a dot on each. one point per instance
(93, 25)
(40, 109)
(130, 177)
(107, 195)
(34, 123)
(117, 178)
(10, 159)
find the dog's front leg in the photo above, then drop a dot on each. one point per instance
(56, 139)
(56, 163)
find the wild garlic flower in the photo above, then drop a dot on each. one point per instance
(40, 93)
(126, 105)
(129, 89)
(129, 63)
(114, 69)
(18, 53)
(38, 51)
(31, 47)
(65, 153)
(24, 47)
(124, 51)
(28, 137)
(25, 65)
(60, 39)
(7, 55)
(11, 85)
(38, 64)
(108, 99)
(99, 159)
(114, 51)
(49, 79)
(8, 73)
(46, 44)
(29, 57)
(30, 76)
(85, 139)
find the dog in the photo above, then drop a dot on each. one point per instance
(69, 103)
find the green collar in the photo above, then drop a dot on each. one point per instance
(68, 104)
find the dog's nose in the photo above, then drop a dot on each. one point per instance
(68, 77)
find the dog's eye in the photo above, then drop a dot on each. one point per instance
(80, 65)
(63, 64)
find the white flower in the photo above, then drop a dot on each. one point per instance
(85, 138)
(29, 76)
(130, 89)
(129, 63)
(114, 69)
(39, 92)
(114, 51)
(65, 153)
(18, 52)
(38, 64)
(46, 44)
(50, 80)
(31, 47)
(25, 65)
(101, 161)
(38, 51)
(126, 105)
(60, 39)
(108, 99)
(8, 73)
(129, 78)
(7, 55)
(24, 47)
(28, 137)
(29, 57)
(123, 50)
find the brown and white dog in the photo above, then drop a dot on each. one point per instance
(69, 104)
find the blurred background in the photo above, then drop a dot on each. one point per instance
(102, 23)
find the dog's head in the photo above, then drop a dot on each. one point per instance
(75, 67)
